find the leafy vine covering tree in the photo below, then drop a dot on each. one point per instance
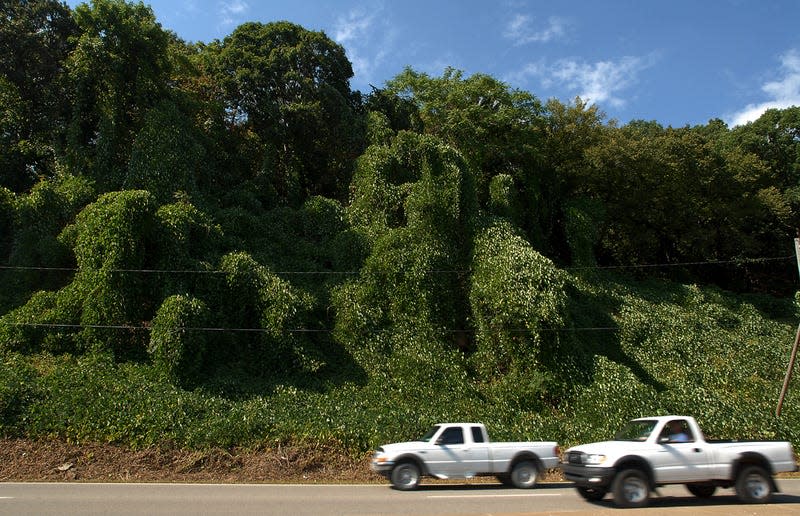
(222, 243)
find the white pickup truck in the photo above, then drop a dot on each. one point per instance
(463, 450)
(654, 451)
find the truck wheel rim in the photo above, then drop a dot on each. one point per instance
(757, 486)
(635, 490)
(525, 476)
(407, 477)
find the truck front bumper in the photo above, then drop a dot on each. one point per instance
(590, 476)
(382, 467)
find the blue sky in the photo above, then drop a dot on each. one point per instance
(677, 62)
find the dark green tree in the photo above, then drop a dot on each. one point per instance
(35, 39)
(496, 128)
(291, 86)
(120, 68)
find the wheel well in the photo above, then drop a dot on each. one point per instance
(634, 462)
(523, 456)
(414, 460)
(751, 459)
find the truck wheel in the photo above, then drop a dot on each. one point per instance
(592, 494)
(524, 474)
(405, 476)
(701, 490)
(753, 485)
(631, 488)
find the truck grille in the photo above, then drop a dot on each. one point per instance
(575, 457)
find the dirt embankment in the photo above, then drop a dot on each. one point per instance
(56, 461)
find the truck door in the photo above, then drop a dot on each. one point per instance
(680, 456)
(454, 456)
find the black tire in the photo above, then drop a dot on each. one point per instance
(701, 490)
(405, 476)
(753, 485)
(524, 474)
(631, 488)
(504, 478)
(591, 494)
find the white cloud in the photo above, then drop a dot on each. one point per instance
(353, 26)
(230, 11)
(599, 82)
(521, 30)
(367, 40)
(781, 94)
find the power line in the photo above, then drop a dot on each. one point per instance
(131, 327)
(736, 261)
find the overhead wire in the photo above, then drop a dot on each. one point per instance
(328, 330)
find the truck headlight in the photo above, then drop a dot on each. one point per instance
(594, 459)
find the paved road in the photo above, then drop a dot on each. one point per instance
(320, 500)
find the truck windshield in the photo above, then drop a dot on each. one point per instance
(636, 431)
(430, 433)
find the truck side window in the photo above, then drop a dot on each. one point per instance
(477, 434)
(677, 431)
(453, 435)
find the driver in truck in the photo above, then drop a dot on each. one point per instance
(677, 434)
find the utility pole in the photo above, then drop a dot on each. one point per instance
(793, 356)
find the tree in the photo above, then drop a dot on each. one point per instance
(775, 138)
(415, 201)
(119, 69)
(291, 86)
(166, 156)
(497, 129)
(35, 39)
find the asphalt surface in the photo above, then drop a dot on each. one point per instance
(65, 499)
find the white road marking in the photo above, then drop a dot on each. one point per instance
(494, 495)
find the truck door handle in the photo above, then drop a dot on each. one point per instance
(697, 450)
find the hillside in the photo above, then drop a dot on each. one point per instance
(222, 246)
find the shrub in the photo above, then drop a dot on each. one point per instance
(112, 239)
(177, 341)
(518, 304)
(17, 391)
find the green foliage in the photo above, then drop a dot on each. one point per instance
(35, 37)
(239, 298)
(582, 226)
(118, 71)
(263, 311)
(112, 237)
(177, 339)
(494, 127)
(291, 86)
(185, 239)
(17, 390)
(504, 199)
(518, 307)
(38, 218)
(166, 156)
(414, 200)
(45, 323)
